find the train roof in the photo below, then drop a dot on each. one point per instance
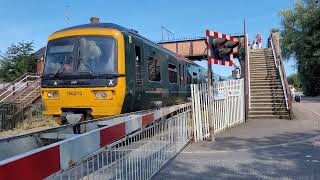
(123, 29)
(101, 25)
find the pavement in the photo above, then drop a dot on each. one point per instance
(257, 149)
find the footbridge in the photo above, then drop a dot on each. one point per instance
(195, 48)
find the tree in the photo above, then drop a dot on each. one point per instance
(301, 40)
(294, 80)
(17, 60)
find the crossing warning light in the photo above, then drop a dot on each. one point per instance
(220, 48)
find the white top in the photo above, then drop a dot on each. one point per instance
(292, 90)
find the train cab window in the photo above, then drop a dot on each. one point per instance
(173, 78)
(154, 69)
(137, 54)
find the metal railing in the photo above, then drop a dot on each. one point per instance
(137, 156)
(226, 105)
(32, 91)
(248, 70)
(278, 64)
(17, 86)
(200, 107)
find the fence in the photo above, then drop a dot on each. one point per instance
(223, 107)
(137, 156)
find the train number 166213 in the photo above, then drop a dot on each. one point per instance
(74, 93)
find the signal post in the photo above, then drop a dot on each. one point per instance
(220, 51)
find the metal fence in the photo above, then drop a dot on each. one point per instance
(139, 155)
(224, 107)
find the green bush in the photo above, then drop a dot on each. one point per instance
(17, 60)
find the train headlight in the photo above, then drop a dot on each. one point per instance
(101, 94)
(53, 95)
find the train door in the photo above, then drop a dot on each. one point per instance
(138, 65)
(180, 76)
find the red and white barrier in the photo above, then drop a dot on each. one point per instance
(45, 161)
(223, 36)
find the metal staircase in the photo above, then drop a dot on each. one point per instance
(268, 99)
(17, 97)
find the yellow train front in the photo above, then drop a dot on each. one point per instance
(103, 69)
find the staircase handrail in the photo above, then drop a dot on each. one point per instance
(37, 86)
(248, 70)
(15, 81)
(20, 87)
(18, 79)
(279, 66)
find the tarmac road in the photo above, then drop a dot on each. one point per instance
(258, 149)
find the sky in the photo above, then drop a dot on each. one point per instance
(35, 20)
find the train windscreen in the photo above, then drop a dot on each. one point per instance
(81, 55)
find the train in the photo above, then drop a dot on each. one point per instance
(102, 69)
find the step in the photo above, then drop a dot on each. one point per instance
(266, 88)
(254, 71)
(251, 58)
(268, 110)
(263, 75)
(264, 66)
(268, 116)
(267, 91)
(259, 71)
(265, 82)
(267, 85)
(267, 100)
(267, 105)
(261, 61)
(258, 112)
(278, 94)
(267, 78)
(262, 69)
(274, 96)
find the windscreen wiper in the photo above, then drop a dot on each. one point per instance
(88, 67)
(62, 68)
(58, 72)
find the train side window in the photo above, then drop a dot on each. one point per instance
(154, 69)
(137, 53)
(173, 78)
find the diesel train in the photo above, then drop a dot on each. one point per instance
(102, 69)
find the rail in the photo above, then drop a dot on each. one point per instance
(34, 91)
(15, 81)
(11, 89)
(248, 70)
(279, 66)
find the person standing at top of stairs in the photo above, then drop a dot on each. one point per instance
(259, 40)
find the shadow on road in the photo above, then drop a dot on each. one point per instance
(282, 156)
